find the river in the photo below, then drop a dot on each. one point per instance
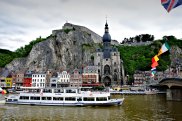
(134, 108)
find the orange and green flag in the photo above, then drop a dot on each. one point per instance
(165, 47)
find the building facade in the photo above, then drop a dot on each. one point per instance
(54, 80)
(90, 75)
(39, 80)
(107, 59)
(2, 82)
(76, 78)
(63, 79)
(9, 82)
(27, 81)
(19, 80)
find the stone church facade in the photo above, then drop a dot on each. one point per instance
(107, 59)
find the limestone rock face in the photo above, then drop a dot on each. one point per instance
(175, 56)
(68, 48)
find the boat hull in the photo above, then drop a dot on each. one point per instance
(112, 102)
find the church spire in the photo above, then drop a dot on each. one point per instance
(106, 37)
(106, 27)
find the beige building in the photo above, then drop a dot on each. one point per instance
(19, 80)
(76, 78)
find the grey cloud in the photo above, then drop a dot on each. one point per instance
(25, 17)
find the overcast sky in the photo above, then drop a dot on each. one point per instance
(22, 21)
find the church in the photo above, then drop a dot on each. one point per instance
(107, 59)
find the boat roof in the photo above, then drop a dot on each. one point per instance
(56, 88)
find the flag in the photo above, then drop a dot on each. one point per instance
(152, 75)
(155, 58)
(165, 47)
(170, 4)
(155, 64)
(153, 70)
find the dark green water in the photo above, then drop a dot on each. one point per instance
(134, 108)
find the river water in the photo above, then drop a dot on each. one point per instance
(134, 108)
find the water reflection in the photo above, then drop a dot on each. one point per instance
(139, 107)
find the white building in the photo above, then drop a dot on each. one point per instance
(39, 80)
(63, 79)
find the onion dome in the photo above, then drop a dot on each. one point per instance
(106, 36)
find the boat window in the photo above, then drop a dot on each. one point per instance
(70, 91)
(58, 91)
(57, 98)
(47, 91)
(79, 99)
(46, 98)
(101, 99)
(69, 98)
(35, 98)
(24, 97)
(109, 98)
(15, 100)
(88, 98)
(9, 100)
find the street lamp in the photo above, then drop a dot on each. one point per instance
(127, 77)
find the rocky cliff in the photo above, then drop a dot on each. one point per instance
(176, 56)
(67, 48)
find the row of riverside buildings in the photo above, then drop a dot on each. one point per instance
(143, 77)
(77, 78)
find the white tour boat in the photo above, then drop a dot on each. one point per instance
(63, 97)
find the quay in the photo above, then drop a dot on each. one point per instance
(128, 93)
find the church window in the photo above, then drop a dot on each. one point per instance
(98, 64)
(114, 63)
(115, 70)
(106, 69)
(98, 70)
(114, 54)
(106, 59)
(115, 77)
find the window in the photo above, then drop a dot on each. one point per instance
(58, 98)
(106, 69)
(79, 98)
(24, 97)
(35, 98)
(88, 98)
(70, 91)
(69, 98)
(101, 99)
(46, 98)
